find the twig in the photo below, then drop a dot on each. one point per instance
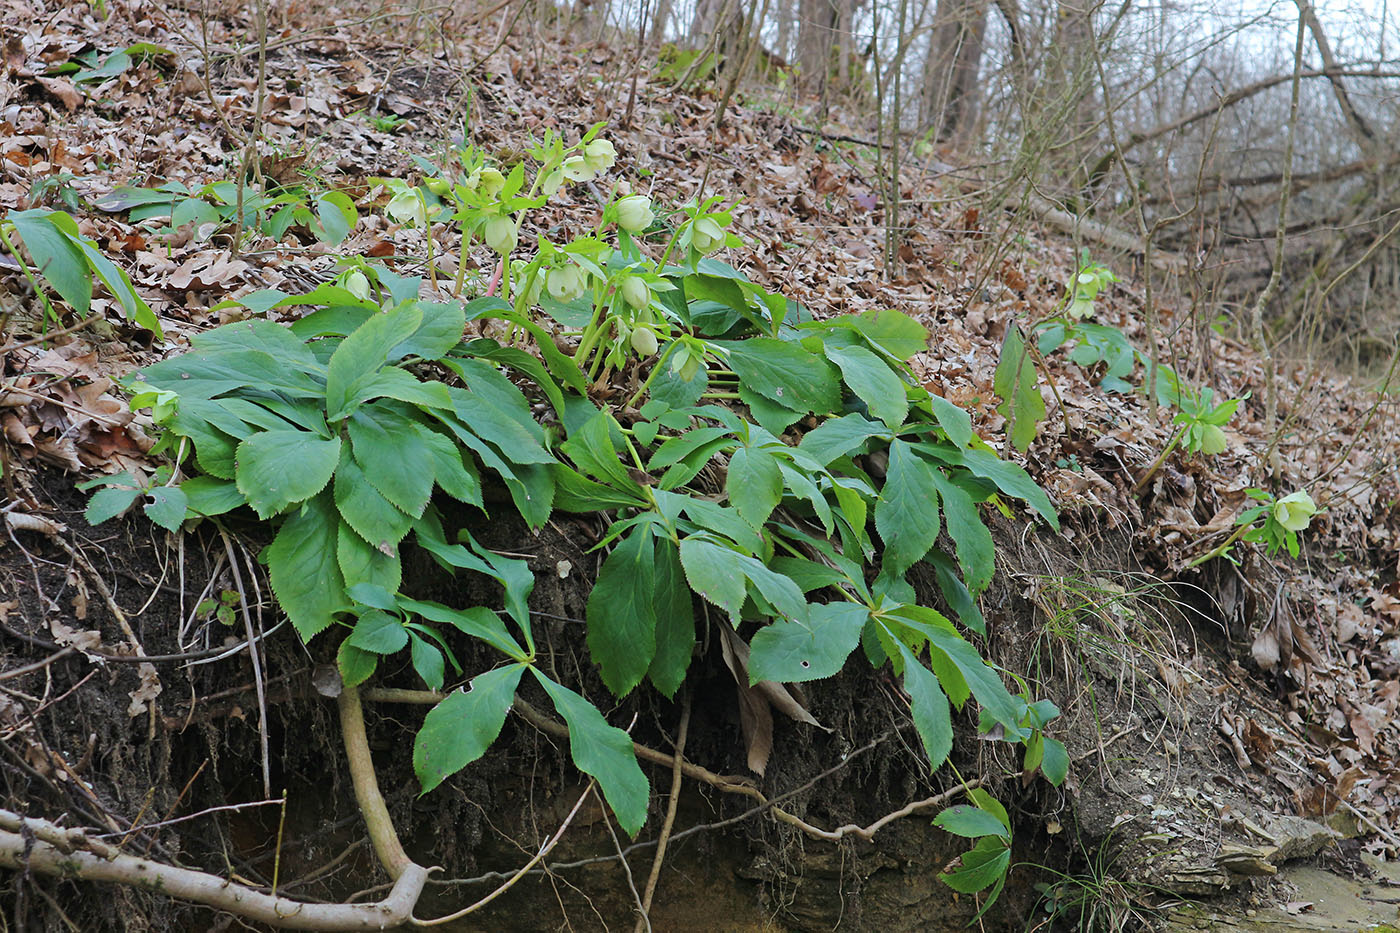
(643, 921)
(371, 802)
(256, 661)
(37, 665)
(521, 873)
(670, 821)
(44, 338)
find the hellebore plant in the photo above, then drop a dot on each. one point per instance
(1282, 520)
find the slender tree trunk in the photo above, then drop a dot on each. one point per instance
(816, 37)
(950, 93)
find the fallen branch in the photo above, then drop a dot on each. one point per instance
(53, 850)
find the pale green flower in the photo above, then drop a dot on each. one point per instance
(635, 292)
(600, 155)
(566, 283)
(1213, 440)
(356, 284)
(644, 341)
(1295, 511)
(576, 168)
(634, 213)
(499, 233)
(706, 235)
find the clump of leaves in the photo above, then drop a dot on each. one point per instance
(329, 216)
(788, 472)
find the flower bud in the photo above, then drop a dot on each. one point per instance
(635, 292)
(356, 284)
(644, 341)
(438, 186)
(634, 213)
(490, 183)
(566, 283)
(1295, 511)
(499, 233)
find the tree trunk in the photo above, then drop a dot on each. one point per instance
(816, 38)
(949, 97)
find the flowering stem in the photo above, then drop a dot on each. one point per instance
(1211, 555)
(1161, 458)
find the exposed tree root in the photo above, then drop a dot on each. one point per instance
(28, 844)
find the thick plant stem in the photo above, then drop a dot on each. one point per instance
(34, 845)
(381, 828)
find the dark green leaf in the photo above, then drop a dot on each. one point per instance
(206, 495)
(356, 666)
(1016, 382)
(458, 730)
(109, 502)
(603, 751)
(167, 506)
(837, 437)
(56, 257)
(427, 660)
(955, 592)
(955, 422)
(373, 517)
(302, 566)
(1055, 762)
(360, 562)
(622, 613)
(364, 353)
(675, 620)
(928, 705)
(715, 573)
(985, 865)
(970, 823)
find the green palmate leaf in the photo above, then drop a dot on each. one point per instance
(478, 622)
(303, 569)
(115, 279)
(603, 751)
(789, 652)
(754, 484)
(981, 679)
(716, 518)
(716, 573)
(971, 822)
(337, 214)
(1008, 477)
(892, 331)
(906, 514)
(361, 562)
(206, 495)
(495, 410)
(109, 502)
(786, 373)
(1015, 381)
(402, 385)
(622, 613)
(453, 468)
(488, 349)
(374, 518)
(167, 507)
(675, 619)
(773, 417)
(927, 704)
(838, 437)
(591, 448)
(379, 632)
(261, 335)
(56, 257)
(364, 353)
(873, 382)
(278, 468)
(971, 537)
(458, 730)
(394, 456)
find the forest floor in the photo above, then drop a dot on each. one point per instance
(1223, 720)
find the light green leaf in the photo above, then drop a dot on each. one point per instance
(56, 257)
(906, 514)
(427, 660)
(1055, 763)
(754, 484)
(206, 495)
(364, 353)
(790, 652)
(303, 569)
(955, 421)
(970, 822)
(109, 502)
(278, 468)
(873, 382)
(360, 562)
(454, 471)
(395, 458)
(603, 751)
(462, 727)
(1016, 382)
(622, 613)
(837, 437)
(356, 666)
(716, 573)
(167, 506)
(986, 864)
(374, 518)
